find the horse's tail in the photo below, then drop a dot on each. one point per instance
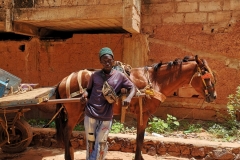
(60, 119)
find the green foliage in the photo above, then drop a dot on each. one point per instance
(79, 127)
(117, 127)
(130, 130)
(229, 129)
(158, 125)
(193, 128)
(40, 123)
(172, 122)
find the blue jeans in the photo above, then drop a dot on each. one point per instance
(96, 138)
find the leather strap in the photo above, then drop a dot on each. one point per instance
(68, 85)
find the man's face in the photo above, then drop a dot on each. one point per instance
(107, 62)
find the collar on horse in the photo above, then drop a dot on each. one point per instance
(149, 91)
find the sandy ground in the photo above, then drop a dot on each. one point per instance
(33, 153)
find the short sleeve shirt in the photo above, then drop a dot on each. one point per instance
(97, 106)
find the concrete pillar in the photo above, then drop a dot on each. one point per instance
(135, 50)
(8, 19)
(131, 16)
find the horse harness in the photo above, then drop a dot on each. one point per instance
(204, 72)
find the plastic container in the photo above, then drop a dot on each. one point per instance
(3, 86)
(14, 81)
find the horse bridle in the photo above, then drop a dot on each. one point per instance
(204, 72)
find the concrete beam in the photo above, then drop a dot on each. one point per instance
(25, 29)
(8, 20)
(29, 30)
(131, 16)
(66, 13)
(136, 50)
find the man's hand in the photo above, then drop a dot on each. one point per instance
(83, 98)
(126, 102)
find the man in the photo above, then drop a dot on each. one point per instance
(98, 111)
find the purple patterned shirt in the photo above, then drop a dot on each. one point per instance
(97, 106)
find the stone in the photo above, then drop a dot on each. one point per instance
(222, 155)
(152, 151)
(198, 151)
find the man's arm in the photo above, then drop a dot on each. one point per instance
(127, 101)
(86, 94)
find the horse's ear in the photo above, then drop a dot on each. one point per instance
(198, 60)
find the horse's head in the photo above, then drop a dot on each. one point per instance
(204, 80)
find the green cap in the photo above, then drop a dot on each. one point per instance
(105, 50)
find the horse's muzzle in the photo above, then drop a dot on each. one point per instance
(211, 97)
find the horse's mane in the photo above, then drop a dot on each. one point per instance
(179, 61)
(169, 64)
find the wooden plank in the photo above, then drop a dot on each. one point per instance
(124, 108)
(35, 96)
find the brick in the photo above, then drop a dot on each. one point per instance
(163, 8)
(146, 19)
(187, 92)
(236, 15)
(156, 19)
(226, 5)
(147, 9)
(210, 6)
(196, 17)
(234, 5)
(219, 17)
(205, 114)
(68, 3)
(173, 18)
(48, 3)
(155, 1)
(148, 29)
(187, 7)
(110, 1)
(198, 0)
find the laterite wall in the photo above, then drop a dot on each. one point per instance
(210, 29)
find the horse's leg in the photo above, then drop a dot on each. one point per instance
(73, 119)
(140, 135)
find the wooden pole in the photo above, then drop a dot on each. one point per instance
(140, 110)
(124, 108)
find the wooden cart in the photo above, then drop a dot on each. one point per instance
(15, 133)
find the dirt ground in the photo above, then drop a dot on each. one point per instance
(33, 153)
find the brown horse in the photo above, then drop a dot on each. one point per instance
(163, 77)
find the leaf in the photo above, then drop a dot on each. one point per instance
(176, 123)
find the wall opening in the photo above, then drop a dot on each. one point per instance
(22, 47)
